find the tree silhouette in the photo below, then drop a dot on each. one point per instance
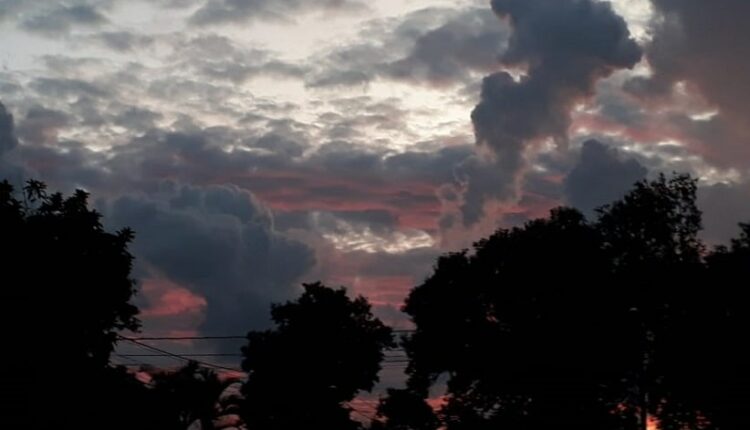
(512, 325)
(705, 366)
(404, 410)
(66, 292)
(567, 323)
(187, 395)
(325, 348)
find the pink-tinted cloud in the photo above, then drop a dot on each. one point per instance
(172, 300)
(413, 204)
(171, 310)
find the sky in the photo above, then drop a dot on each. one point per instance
(254, 145)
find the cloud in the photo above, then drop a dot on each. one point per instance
(565, 47)
(68, 87)
(434, 46)
(469, 42)
(8, 8)
(219, 243)
(62, 18)
(220, 58)
(10, 168)
(701, 45)
(215, 12)
(123, 41)
(8, 139)
(723, 206)
(137, 118)
(600, 177)
(42, 125)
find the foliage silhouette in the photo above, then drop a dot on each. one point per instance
(573, 324)
(325, 348)
(187, 395)
(560, 323)
(66, 291)
(404, 410)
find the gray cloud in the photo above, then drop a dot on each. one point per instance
(63, 88)
(216, 240)
(427, 47)
(600, 177)
(123, 41)
(10, 169)
(215, 12)
(8, 140)
(724, 206)
(62, 18)
(566, 47)
(8, 8)
(469, 42)
(281, 144)
(702, 43)
(219, 242)
(219, 58)
(136, 118)
(41, 125)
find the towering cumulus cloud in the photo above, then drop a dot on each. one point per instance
(219, 243)
(8, 139)
(8, 142)
(563, 47)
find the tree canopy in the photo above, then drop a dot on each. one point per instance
(66, 292)
(565, 322)
(325, 348)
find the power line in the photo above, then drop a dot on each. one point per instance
(133, 362)
(176, 356)
(181, 355)
(392, 360)
(228, 337)
(187, 338)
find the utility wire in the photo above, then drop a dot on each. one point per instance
(229, 337)
(181, 355)
(187, 338)
(175, 356)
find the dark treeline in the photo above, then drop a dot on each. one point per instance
(564, 322)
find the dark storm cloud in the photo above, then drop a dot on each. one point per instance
(60, 19)
(426, 47)
(214, 12)
(565, 48)
(600, 177)
(10, 168)
(218, 242)
(8, 139)
(703, 43)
